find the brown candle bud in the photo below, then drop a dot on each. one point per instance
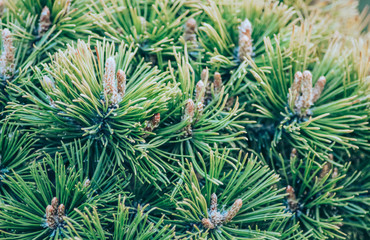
(87, 183)
(335, 173)
(200, 90)
(325, 170)
(245, 40)
(295, 89)
(61, 212)
(319, 87)
(7, 59)
(190, 28)
(217, 83)
(50, 220)
(121, 82)
(204, 75)
(291, 193)
(213, 206)
(189, 109)
(207, 223)
(109, 81)
(44, 22)
(234, 210)
(153, 123)
(54, 204)
(306, 89)
(292, 199)
(293, 153)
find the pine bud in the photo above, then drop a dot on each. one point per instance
(7, 57)
(109, 83)
(207, 223)
(295, 89)
(293, 153)
(61, 212)
(292, 199)
(54, 204)
(190, 28)
(306, 89)
(234, 210)
(50, 220)
(87, 183)
(291, 193)
(204, 75)
(153, 123)
(335, 173)
(189, 110)
(200, 90)
(245, 40)
(217, 83)
(121, 82)
(44, 22)
(48, 83)
(325, 170)
(319, 87)
(213, 202)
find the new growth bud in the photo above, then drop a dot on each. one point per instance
(44, 22)
(109, 81)
(54, 204)
(319, 87)
(61, 212)
(121, 82)
(50, 220)
(306, 89)
(207, 223)
(87, 183)
(189, 110)
(190, 28)
(335, 173)
(234, 210)
(216, 218)
(213, 202)
(293, 153)
(153, 123)
(204, 75)
(7, 65)
(292, 199)
(55, 214)
(217, 83)
(245, 40)
(114, 84)
(302, 94)
(325, 170)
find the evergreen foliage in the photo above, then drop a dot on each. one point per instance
(178, 119)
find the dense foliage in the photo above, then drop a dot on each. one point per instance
(181, 119)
